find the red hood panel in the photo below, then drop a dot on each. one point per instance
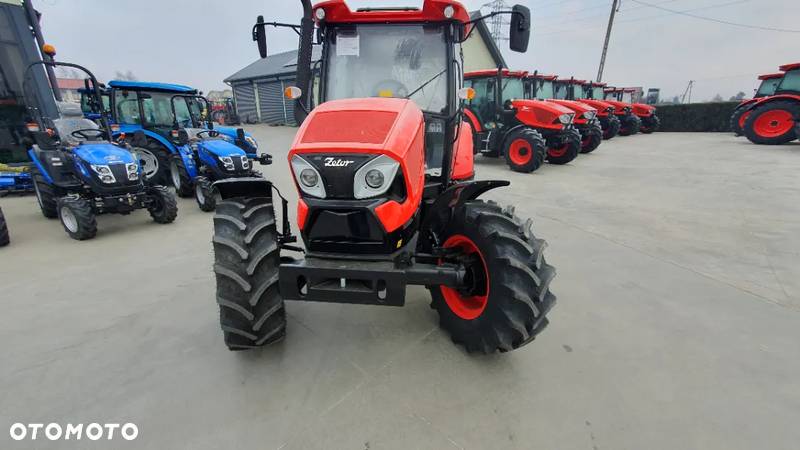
(365, 127)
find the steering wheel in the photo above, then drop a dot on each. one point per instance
(211, 133)
(89, 134)
(398, 89)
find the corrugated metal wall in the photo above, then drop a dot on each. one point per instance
(270, 97)
(245, 102)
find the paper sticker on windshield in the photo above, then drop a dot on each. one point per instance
(347, 45)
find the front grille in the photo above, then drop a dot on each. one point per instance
(339, 173)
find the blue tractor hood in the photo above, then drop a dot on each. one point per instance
(219, 147)
(103, 153)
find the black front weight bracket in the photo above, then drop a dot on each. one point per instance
(361, 282)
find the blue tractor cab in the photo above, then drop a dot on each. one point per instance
(148, 106)
(80, 171)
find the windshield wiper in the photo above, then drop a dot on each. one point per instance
(426, 83)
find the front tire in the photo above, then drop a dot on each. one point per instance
(650, 124)
(524, 150)
(630, 125)
(205, 194)
(612, 128)
(45, 195)
(180, 178)
(163, 207)
(506, 309)
(591, 138)
(246, 260)
(4, 237)
(738, 119)
(77, 218)
(772, 123)
(564, 148)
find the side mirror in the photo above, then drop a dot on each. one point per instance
(260, 36)
(520, 34)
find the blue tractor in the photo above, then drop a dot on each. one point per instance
(205, 154)
(79, 171)
(149, 107)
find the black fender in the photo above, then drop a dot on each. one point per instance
(773, 98)
(243, 187)
(440, 212)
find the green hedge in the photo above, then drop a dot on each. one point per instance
(696, 116)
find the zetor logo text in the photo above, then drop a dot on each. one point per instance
(56, 432)
(336, 162)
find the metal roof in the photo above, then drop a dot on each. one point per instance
(284, 63)
(148, 86)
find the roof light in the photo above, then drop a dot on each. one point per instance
(449, 11)
(320, 13)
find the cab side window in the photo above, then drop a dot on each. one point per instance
(127, 107)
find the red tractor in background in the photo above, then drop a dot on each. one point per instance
(525, 131)
(572, 89)
(629, 123)
(586, 120)
(648, 120)
(383, 166)
(769, 82)
(771, 120)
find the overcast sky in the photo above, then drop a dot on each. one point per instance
(200, 42)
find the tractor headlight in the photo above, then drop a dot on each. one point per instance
(565, 119)
(589, 115)
(250, 140)
(375, 177)
(104, 173)
(133, 171)
(245, 162)
(227, 161)
(308, 179)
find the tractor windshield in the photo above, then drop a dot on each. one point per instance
(379, 60)
(157, 109)
(513, 88)
(578, 91)
(627, 97)
(790, 82)
(561, 91)
(544, 89)
(595, 93)
(768, 87)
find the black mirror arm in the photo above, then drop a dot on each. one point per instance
(488, 16)
(295, 28)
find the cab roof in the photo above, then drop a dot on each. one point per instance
(788, 67)
(148, 86)
(572, 80)
(770, 76)
(337, 11)
(493, 72)
(543, 76)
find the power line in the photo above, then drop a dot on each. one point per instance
(711, 19)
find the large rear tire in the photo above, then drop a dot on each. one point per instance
(154, 159)
(77, 218)
(45, 194)
(4, 237)
(506, 308)
(524, 150)
(564, 148)
(772, 123)
(179, 177)
(591, 138)
(246, 260)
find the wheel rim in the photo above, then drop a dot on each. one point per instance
(176, 176)
(468, 307)
(743, 118)
(198, 192)
(520, 152)
(69, 220)
(556, 152)
(148, 161)
(773, 123)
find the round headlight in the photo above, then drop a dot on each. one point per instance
(320, 13)
(374, 178)
(449, 11)
(309, 177)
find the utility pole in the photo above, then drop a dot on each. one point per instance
(688, 92)
(614, 9)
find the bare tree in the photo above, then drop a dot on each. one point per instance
(128, 75)
(738, 97)
(717, 98)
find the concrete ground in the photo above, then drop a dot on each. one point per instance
(677, 324)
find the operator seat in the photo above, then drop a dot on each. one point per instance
(71, 119)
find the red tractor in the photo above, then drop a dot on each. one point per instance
(629, 123)
(648, 120)
(586, 116)
(572, 89)
(525, 131)
(771, 119)
(384, 172)
(769, 82)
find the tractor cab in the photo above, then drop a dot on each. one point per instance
(93, 109)
(581, 91)
(499, 114)
(772, 119)
(630, 122)
(769, 84)
(790, 82)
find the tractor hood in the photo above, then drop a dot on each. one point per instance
(220, 147)
(643, 109)
(103, 153)
(618, 106)
(540, 113)
(600, 105)
(579, 108)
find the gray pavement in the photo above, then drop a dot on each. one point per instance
(677, 324)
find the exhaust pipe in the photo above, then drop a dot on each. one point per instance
(304, 62)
